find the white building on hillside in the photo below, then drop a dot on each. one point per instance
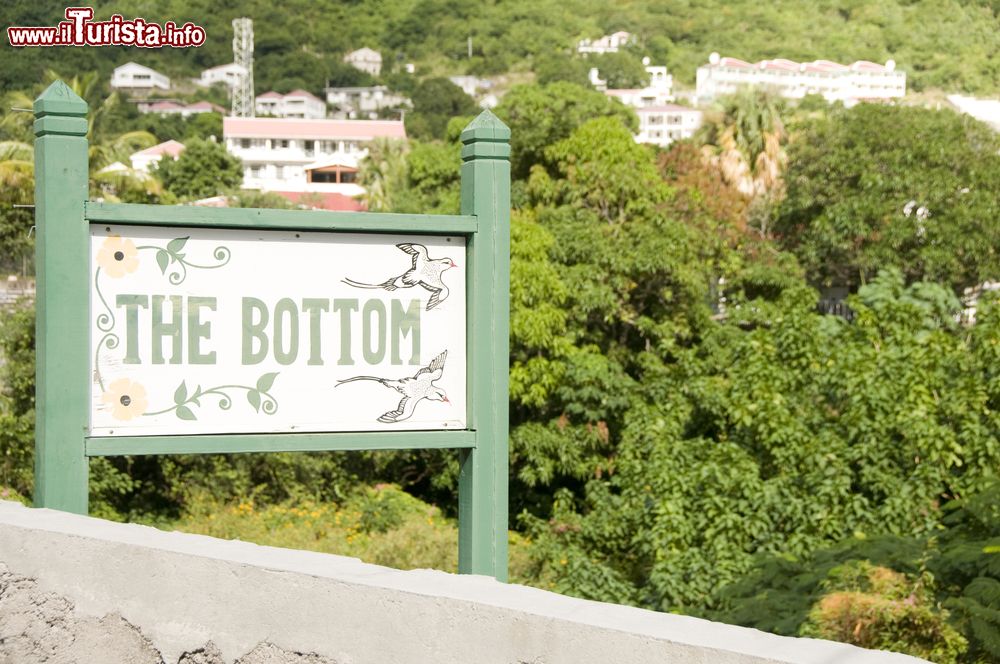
(984, 110)
(306, 160)
(143, 159)
(859, 81)
(364, 102)
(296, 104)
(229, 75)
(135, 77)
(366, 60)
(168, 107)
(658, 91)
(606, 44)
(662, 125)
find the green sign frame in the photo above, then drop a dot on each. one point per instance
(63, 215)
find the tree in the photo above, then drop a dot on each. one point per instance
(878, 186)
(540, 116)
(435, 102)
(203, 169)
(383, 174)
(745, 142)
(622, 70)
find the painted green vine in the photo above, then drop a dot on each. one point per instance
(259, 397)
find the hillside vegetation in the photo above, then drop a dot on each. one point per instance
(948, 44)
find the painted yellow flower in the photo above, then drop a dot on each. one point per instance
(117, 256)
(127, 399)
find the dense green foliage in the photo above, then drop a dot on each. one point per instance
(687, 432)
(203, 169)
(300, 43)
(908, 187)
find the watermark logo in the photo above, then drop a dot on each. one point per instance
(79, 29)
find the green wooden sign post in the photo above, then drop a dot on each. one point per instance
(64, 441)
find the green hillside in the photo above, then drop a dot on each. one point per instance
(947, 44)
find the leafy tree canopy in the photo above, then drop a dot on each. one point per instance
(203, 169)
(878, 186)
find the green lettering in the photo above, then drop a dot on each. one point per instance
(376, 354)
(254, 330)
(163, 329)
(198, 330)
(403, 323)
(314, 306)
(132, 304)
(285, 308)
(345, 307)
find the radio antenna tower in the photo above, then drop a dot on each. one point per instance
(243, 56)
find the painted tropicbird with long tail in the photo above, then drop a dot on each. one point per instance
(414, 389)
(425, 272)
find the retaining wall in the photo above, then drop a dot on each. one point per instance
(79, 589)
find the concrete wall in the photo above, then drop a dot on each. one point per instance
(78, 589)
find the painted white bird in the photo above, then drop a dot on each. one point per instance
(425, 272)
(414, 389)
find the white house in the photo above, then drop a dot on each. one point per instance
(471, 85)
(859, 81)
(366, 60)
(984, 110)
(168, 107)
(304, 159)
(658, 91)
(662, 125)
(229, 75)
(606, 44)
(295, 104)
(132, 76)
(143, 159)
(363, 102)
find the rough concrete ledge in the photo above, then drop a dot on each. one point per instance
(106, 588)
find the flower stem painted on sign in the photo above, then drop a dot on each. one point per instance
(118, 257)
(258, 396)
(171, 256)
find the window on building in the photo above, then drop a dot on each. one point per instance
(280, 143)
(347, 177)
(245, 143)
(310, 147)
(279, 172)
(255, 171)
(324, 176)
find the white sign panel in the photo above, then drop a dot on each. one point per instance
(200, 331)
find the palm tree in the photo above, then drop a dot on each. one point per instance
(383, 174)
(106, 146)
(745, 141)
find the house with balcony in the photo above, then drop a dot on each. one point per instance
(859, 81)
(143, 160)
(306, 160)
(136, 78)
(170, 107)
(365, 59)
(606, 44)
(364, 102)
(662, 125)
(657, 92)
(229, 75)
(295, 104)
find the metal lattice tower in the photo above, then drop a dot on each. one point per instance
(243, 56)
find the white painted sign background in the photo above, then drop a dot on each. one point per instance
(203, 376)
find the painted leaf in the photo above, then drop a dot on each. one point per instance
(184, 413)
(176, 244)
(180, 394)
(265, 382)
(253, 396)
(163, 260)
